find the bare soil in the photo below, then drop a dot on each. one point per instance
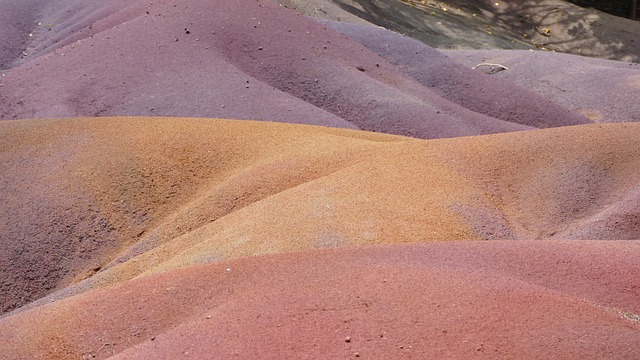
(135, 223)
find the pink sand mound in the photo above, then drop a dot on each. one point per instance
(202, 59)
(462, 85)
(524, 300)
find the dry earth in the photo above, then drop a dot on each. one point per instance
(488, 300)
(111, 200)
(279, 66)
(601, 90)
(138, 225)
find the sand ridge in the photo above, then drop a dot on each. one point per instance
(136, 223)
(280, 66)
(170, 193)
(411, 301)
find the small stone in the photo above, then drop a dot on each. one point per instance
(153, 338)
(208, 316)
(260, 48)
(347, 339)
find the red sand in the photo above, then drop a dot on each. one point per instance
(550, 299)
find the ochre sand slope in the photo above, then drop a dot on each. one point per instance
(104, 200)
(456, 300)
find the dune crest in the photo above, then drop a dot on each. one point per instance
(147, 195)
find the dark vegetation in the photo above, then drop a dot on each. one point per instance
(626, 8)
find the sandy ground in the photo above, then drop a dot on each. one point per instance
(280, 67)
(114, 199)
(136, 224)
(90, 63)
(601, 90)
(498, 299)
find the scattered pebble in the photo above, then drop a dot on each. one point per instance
(347, 339)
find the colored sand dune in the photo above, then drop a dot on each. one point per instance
(234, 179)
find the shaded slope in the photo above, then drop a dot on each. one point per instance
(33, 28)
(461, 84)
(17, 19)
(601, 90)
(445, 300)
(148, 195)
(556, 25)
(435, 23)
